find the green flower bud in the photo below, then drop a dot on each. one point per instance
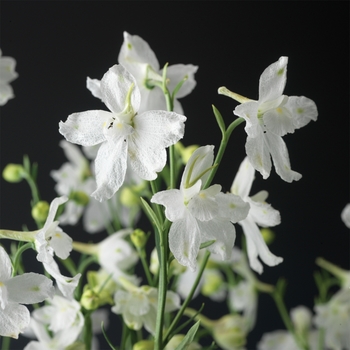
(40, 211)
(128, 197)
(13, 172)
(229, 332)
(213, 282)
(79, 197)
(144, 345)
(92, 299)
(138, 238)
(268, 235)
(177, 339)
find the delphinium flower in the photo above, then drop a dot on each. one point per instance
(260, 213)
(140, 60)
(7, 74)
(28, 288)
(127, 138)
(138, 305)
(198, 214)
(56, 325)
(271, 117)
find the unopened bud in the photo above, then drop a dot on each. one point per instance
(138, 238)
(268, 235)
(128, 197)
(13, 172)
(212, 283)
(79, 197)
(144, 345)
(40, 211)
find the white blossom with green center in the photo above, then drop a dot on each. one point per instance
(126, 137)
(200, 215)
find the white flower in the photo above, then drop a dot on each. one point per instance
(200, 215)
(7, 74)
(334, 318)
(138, 305)
(271, 117)
(260, 213)
(63, 318)
(51, 239)
(345, 215)
(124, 134)
(28, 288)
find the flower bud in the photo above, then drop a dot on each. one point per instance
(229, 332)
(79, 197)
(128, 197)
(13, 172)
(40, 211)
(144, 345)
(177, 339)
(93, 299)
(138, 238)
(268, 235)
(154, 263)
(185, 152)
(212, 283)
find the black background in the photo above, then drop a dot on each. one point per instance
(58, 44)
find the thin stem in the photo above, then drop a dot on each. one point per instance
(142, 254)
(189, 296)
(18, 256)
(222, 148)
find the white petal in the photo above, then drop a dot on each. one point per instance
(110, 165)
(73, 154)
(263, 214)
(5, 265)
(249, 112)
(345, 215)
(273, 80)
(61, 243)
(115, 87)
(232, 207)
(243, 181)
(223, 232)
(136, 50)
(201, 159)
(52, 212)
(94, 85)
(184, 241)
(13, 320)
(85, 128)
(279, 121)
(173, 202)
(154, 131)
(252, 231)
(258, 154)
(30, 288)
(172, 301)
(302, 109)
(6, 93)
(280, 157)
(178, 72)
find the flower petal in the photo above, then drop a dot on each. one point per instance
(184, 241)
(115, 87)
(61, 243)
(5, 265)
(273, 80)
(279, 121)
(249, 112)
(85, 128)
(29, 288)
(94, 85)
(232, 207)
(173, 202)
(280, 157)
(13, 320)
(110, 165)
(243, 181)
(302, 109)
(263, 214)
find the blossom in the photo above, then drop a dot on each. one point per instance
(334, 318)
(28, 288)
(260, 213)
(64, 320)
(138, 305)
(140, 60)
(271, 117)
(200, 215)
(7, 74)
(127, 138)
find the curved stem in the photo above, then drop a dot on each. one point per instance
(18, 255)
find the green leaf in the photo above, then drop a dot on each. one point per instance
(207, 244)
(188, 339)
(151, 214)
(219, 119)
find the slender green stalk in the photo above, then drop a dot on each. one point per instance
(5, 345)
(222, 148)
(142, 255)
(189, 296)
(18, 256)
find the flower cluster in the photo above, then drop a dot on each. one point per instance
(127, 159)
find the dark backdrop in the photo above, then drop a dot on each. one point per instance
(58, 44)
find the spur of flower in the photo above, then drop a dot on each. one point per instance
(271, 117)
(260, 213)
(198, 214)
(7, 74)
(28, 288)
(139, 59)
(127, 138)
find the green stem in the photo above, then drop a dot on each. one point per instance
(142, 254)
(222, 148)
(189, 296)
(18, 256)
(5, 345)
